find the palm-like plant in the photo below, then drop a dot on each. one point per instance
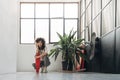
(67, 46)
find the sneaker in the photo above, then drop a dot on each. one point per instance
(41, 70)
(34, 65)
(45, 71)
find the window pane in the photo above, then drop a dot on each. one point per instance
(87, 2)
(88, 15)
(56, 10)
(27, 10)
(96, 7)
(82, 6)
(96, 26)
(108, 18)
(27, 31)
(89, 32)
(105, 2)
(86, 34)
(56, 26)
(82, 35)
(82, 23)
(71, 10)
(42, 29)
(69, 25)
(118, 13)
(42, 10)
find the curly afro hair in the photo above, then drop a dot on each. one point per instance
(42, 41)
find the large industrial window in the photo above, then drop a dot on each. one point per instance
(99, 16)
(45, 19)
(108, 18)
(118, 13)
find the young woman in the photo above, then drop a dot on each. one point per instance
(41, 49)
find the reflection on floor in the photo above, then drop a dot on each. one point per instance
(59, 76)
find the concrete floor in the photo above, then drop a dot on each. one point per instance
(59, 76)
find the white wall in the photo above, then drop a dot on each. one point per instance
(8, 36)
(25, 56)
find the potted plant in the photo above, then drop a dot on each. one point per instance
(67, 46)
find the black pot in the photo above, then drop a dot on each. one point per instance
(70, 66)
(64, 65)
(67, 66)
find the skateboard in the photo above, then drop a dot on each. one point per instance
(81, 67)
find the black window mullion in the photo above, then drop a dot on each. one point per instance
(78, 28)
(78, 22)
(101, 20)
(20, 24)
(91, 17)
(34, 21)
(63, 18)
(85, 21)
(49, 25)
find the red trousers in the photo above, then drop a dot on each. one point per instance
(37, 63)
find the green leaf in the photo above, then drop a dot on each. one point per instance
(60, 36)
(52, 51)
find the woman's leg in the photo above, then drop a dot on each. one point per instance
(45, 70)
(45, 63)
(42, 69)
(37, 65)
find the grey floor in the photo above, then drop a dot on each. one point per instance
(59, 76)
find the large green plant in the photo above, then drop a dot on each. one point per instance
(67, 46)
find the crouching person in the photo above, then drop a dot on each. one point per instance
(41, 55)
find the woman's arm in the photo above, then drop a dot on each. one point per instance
(41, 55)
(45, 52)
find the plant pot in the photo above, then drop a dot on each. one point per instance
(70, 66)
(67, 66)
(64, 65)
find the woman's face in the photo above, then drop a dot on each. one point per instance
(39, 44)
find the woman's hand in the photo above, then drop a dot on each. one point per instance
(36, 44)
(43, 54)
